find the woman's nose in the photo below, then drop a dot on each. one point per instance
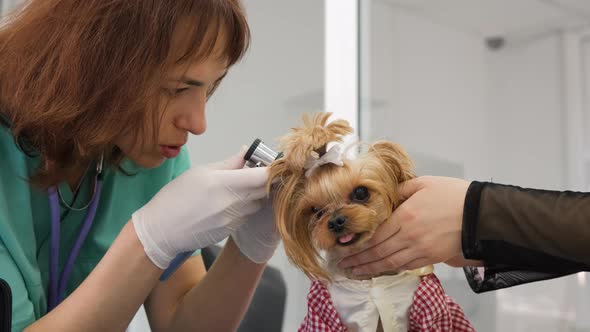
(193, 119)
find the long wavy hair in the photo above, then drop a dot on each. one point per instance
(77, 74)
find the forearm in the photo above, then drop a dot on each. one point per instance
(219, 301)
(523, 235)
(508, 225)
(110, 296)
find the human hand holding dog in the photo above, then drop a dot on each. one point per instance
(425, 229)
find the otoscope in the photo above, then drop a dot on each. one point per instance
(258, 155)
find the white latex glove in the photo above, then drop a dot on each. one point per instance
(201, 207)
(258, 237)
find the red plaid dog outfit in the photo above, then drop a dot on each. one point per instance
(431, 310)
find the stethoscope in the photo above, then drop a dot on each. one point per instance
(58, 283)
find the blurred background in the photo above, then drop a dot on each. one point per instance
(479, 89)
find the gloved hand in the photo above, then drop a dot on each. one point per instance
(258, 237)
(201, 207)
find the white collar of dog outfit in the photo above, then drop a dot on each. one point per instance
(361, 303)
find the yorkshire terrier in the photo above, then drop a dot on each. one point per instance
(325, 202)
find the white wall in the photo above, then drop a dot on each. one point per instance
(441, 92)
(524, 116)
(463, 110)
(427, 88)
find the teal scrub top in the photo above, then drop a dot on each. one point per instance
(25, 223)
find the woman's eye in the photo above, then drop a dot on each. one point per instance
(179, 91)
(176, 92)
(360, 194)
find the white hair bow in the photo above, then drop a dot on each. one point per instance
(332, 156)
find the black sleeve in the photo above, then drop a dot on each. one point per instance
(524, 235)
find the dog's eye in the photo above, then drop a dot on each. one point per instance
(360, 194)
(318, 213)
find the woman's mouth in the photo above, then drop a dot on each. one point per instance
(170, 151)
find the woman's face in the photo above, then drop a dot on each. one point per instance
(182, 111)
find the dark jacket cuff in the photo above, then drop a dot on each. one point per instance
(471, 247)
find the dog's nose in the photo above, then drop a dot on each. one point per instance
(336, 223)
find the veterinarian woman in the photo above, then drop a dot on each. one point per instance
(97, 100)
(518, 235)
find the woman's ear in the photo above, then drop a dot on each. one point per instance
(396, 161)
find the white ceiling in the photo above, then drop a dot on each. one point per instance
(502, 17)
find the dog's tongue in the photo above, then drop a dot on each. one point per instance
(345, 238)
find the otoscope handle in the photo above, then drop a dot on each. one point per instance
(175, 264)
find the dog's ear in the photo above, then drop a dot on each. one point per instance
(288, 190)
(395, 160)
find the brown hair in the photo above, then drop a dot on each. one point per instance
(75, 74)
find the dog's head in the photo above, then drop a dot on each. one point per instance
(325, 202)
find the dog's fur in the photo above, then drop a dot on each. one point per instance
(305, 206)
(322, 210)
